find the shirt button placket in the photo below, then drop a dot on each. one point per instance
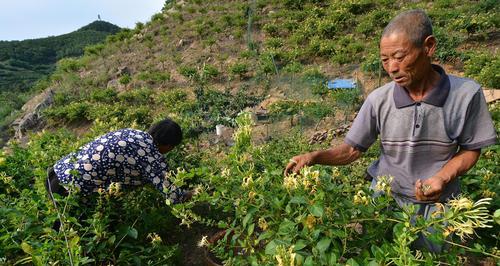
(419, 118)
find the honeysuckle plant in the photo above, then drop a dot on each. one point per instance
(321, 216)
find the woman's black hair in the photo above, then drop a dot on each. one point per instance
(166, 132)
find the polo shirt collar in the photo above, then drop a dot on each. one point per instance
(436, 97)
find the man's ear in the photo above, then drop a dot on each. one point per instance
(430, 44)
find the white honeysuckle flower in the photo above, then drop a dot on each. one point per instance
(120, 158)
(122, 143)
(87, 167)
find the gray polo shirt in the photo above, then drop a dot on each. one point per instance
(418, 138)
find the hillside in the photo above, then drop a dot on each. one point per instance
(202, 63)
(23, 63)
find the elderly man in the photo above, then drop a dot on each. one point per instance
(129, 157)
(431, 125)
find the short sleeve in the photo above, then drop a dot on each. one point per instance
(478, 131)
(364, 131)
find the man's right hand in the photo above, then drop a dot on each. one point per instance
(298, 162)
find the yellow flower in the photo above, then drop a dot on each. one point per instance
(361, 198)
(310, 222)
(155, 239)
(290, 182)
(461, 203)
(384, 184)
(203, 242)
(262, 223)
(251, 194)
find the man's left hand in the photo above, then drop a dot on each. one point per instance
(429, 189)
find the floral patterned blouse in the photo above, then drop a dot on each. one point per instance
(127, 156)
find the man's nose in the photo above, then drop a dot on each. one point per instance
(393, 66)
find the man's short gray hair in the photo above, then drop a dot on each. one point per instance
(414, 23)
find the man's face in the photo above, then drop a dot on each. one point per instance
(405, 63)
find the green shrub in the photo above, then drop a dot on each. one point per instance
(94, 49)
(75, 111)
(484, 67)
(107, 95)
(240, 69)
(125, 79)
(209, 72)
(188, 72)
(69, 65)
(140, 96)
(153, 77)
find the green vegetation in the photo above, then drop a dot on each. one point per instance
(24, 63)
(204, 62)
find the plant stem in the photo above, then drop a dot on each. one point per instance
(472, 250)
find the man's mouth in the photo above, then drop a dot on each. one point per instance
(398, 79)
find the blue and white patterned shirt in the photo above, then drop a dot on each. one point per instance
(126, 156)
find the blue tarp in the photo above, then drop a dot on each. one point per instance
(341, 84)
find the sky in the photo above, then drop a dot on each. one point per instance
(30, 19)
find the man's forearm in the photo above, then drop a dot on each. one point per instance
(340, 155)
(458, 165)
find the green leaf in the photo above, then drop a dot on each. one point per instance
(251, 228)
(333, 259)
(132, 232)
(74, 241)
(26, 248)
(271, 248)
(286, 227)
(323, 244)
(300, 244)
(112, 239)
(37, 261)
(309, 261)
(265, 235)
(246, 219)
(298, 200)
(316, 209)
(496, 216)
(352, 262)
